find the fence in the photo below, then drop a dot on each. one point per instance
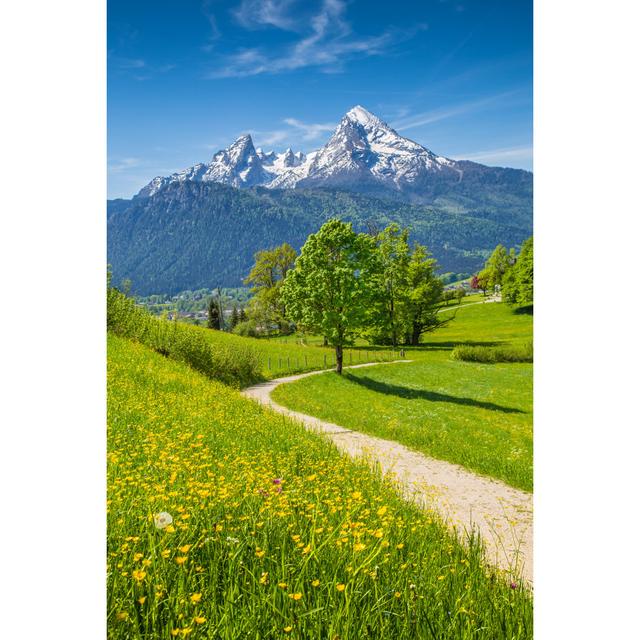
(327, 360)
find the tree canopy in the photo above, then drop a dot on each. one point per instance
(331, 287)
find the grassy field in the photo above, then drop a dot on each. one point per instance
(283, 356)
(473, 414)
(227, 521)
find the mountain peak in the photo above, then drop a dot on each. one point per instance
(362, 116)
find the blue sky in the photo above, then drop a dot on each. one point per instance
(186, 77)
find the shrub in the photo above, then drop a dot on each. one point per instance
(248, 329)
(185, 343)
(491, 355)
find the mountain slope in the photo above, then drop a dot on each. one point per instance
(366, 155)
(193, 234)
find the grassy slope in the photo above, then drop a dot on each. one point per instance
(241, 545)
(476, 415)
(284, 356)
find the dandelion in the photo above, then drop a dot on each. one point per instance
(282, 585)
(165, 553)
(397, 594)
(181, 559)
(138, 575)
(142, 599)
(356, 495)
(199, 619)
(382, 511)
(162, 520)
(260, 553)
(400, 546)
(195, 597)
(137, 556)
(185, 548)
(340, 587)
(315, 583)
(359, 546)
(287, 629)
(295, 596)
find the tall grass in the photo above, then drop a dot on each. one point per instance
(491, 355)
(235, 365)
(274, 534)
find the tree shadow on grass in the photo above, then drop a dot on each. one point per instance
(424, 394)
(522, 311)
(446, 346)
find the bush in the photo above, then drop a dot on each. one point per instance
(182, 342)
(491, 355)
(247, 329)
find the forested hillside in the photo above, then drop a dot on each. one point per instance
(194, 234)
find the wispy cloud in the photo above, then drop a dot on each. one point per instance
(435, 115)
(255, 14)
(327, 43)
(138, 68)
(124, 164)
(310, 131)
(214, 33)
(496, 156)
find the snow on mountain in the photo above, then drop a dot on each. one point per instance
(364, 154)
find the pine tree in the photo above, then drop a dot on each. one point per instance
(213, 314)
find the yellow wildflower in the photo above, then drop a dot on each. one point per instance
(195, 597)
(340, 587)
(200, 619)
(295, 596)
(181, 559)
(382, 511)
(185, 548)
(264, 578)
(315, 583)
(138, 575)
(359, 546)
(287, 629)
(142, 599)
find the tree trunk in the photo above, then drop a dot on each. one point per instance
(339, 359)
(325, 342)
(415, 334)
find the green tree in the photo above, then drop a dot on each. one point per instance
(496, 266)
(518, 283)
(213, 314)
(331, 287)
(235, 317)
(424, 295)
(460, 293)
(392, 283)
(266, 277)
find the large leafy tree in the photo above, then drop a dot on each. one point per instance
(266, 277)
(332, 285)
(389, 309)
(423, 295)
(498, 264)
(518, 282)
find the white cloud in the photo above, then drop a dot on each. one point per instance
(124, 164)
(260, 13)
(328, 43)
(309, 131)
(496, 156)
(428, 117)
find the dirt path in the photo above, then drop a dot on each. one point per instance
(501, 514)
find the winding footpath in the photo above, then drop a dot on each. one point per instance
(502, 515)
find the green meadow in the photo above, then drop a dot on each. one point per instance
(473, 414)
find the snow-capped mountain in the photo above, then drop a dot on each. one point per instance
(364, 154)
